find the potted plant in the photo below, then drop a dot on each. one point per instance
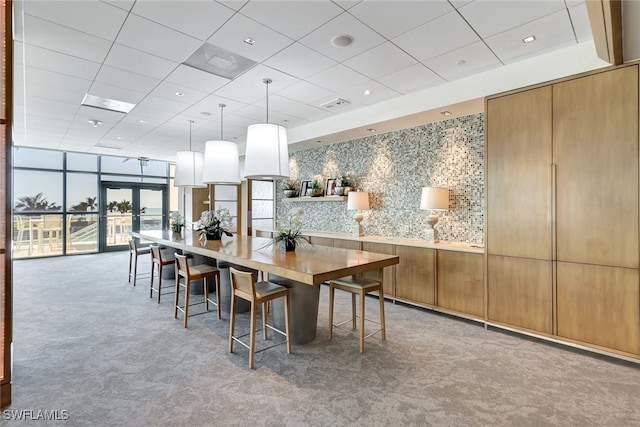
(214, 224)
(177, 222)
(290, 187)
(345, 184)
(289, 234)
(315, 189)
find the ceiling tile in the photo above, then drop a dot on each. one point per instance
(164, 104)
(193, 78)
(549, 31)
(233, 34)
(125, 79)
(52, 109)
(495, 16)
(293, 108)
(169, 90)
(112, 92)
(55, 80)
(308, 93)
(91, 17)
(580, 21)
(294, 19)
(156, 39)
(299, 61)
(410, 79)
(338, 78)
(45, 59)
(477, 58)
(364, 38)
(198, 19)
(378, 93)
(65, 40)
(381, 60)
(442, 35)
(249, 88)
(392, 18)
(128, 59)
(122, 4)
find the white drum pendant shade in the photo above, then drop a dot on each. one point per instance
(267, 153)
(222, 163)
(189, 169)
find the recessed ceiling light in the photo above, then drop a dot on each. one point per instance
(249, 41)
(462, 62)
(367, 92)
(143, 121)
(179, 94)
(205, 113)
(120, 138)
(529, 39)
(371, 130)
(107, 104)
(94, 122)
(343, 40)
(445, 113)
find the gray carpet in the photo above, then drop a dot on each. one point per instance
(87, 342)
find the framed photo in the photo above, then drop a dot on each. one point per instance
(330, 190)
(304, 186)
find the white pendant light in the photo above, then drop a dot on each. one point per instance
(189, 167)
(221, 161)
(267, 154)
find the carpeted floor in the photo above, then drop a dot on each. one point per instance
(88, 343)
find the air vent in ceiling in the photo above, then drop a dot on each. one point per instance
(107, 104)
(219, 61)
(336, 103)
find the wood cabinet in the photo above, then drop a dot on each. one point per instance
(460, 282)
(388, 281)
(599, 305)
(347, 244)
(415, 274)
(322, 241)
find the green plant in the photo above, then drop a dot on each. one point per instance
(289, 229)
(290, 184)
(346, 181)
(316, 183)
(217, 222)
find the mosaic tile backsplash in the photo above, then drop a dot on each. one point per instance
(393, 167)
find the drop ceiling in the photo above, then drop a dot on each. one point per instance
(134, 52)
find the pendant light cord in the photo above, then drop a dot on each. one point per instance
(266, 82)
(190, 123)
(221, 121)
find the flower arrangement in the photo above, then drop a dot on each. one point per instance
(289, 230)
(346, 181)
(177, 222)
(290, 184)
(215, 224)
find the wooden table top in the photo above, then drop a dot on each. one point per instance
(310, 264)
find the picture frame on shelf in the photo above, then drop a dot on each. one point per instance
(330, 189)
(304, 186)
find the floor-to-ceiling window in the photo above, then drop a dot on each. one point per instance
(261, 205)
(60, 205)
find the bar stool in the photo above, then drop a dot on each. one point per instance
(243, 286)
(134, 251)
(158, 260)
(357, 286)
(190, 273)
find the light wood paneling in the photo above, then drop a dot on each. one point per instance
(347, 244)
(595, 133)
(198, 197)
(415, 274)
(599, 305)
(389, 272)
(460, 282)
(322, 241)
(519, 174)
(519, 292)
(605, 17)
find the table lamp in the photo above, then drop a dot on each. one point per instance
(434, 199)
(356, 201)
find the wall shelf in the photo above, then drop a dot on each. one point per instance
(315, 199)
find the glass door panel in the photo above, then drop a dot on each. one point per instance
(151, 209)
(119, 216)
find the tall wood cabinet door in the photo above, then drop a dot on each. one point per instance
(347, 244)
(388, 281)
(599, 305)
(595, 137)
(415, 274)
(321, 241)
(460, 282)
(519, 292)
(519, 174)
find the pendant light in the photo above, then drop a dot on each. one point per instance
(189, 167)
(221, 161)
(267, 154)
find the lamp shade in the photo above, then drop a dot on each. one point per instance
(267, 153)
(357, 200)
(189, 169)
(434, 198)
(221, 163)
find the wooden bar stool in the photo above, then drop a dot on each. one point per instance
(134, 251)
(189, 273)
(243, 286)
(357, 286)
(158, 260)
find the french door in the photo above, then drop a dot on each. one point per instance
(127, 207)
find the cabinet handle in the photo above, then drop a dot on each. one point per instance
(553, 209)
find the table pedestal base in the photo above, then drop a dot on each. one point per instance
(303, 305)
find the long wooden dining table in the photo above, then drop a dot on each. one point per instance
(302, 270)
